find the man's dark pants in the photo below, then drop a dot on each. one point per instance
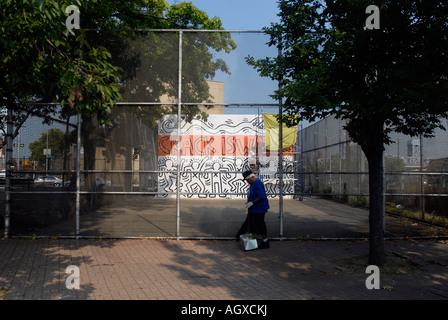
(254, 223)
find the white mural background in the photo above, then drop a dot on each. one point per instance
(214, 153)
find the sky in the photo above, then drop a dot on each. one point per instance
(243, 84)
(239, 14)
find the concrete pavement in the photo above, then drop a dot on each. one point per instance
(185, 270)
(140, 216)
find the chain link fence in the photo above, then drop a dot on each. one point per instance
(415, 188)
(193, 117)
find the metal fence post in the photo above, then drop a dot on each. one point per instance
(179, 113)
(78, 165)
(422, 180)
(384, 192)
(78, 176)
(280, 167)
(280, 149)
(8, 175)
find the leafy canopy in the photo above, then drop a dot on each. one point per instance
(395, 76)
(41, 61)
(391, 78)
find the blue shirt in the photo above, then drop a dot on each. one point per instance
(256, 190)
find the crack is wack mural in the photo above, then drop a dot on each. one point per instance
(213, 155)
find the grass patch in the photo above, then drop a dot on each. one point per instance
(2, 293)
(435, 219)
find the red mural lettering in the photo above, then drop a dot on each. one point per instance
(210, 145)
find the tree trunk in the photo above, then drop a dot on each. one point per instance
(89, 134)
(373, 150)
(376, 256)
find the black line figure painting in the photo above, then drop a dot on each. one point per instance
(212, 156)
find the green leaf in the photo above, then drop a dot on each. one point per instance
(42, 4)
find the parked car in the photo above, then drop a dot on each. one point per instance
(99, 182)
(48, 181)
(2, 174)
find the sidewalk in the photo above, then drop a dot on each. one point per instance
(219, 270)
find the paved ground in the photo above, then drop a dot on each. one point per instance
(218, 270)
(192, 271)
(142, 216)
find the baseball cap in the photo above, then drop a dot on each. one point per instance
(247, 174)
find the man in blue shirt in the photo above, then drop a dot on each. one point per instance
(257, 205)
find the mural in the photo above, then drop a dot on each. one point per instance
(213, 155)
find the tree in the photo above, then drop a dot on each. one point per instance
(149, 64)
(44, 62)
(41, 63)
(45, 66)
(379, 80)
(55, 140)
